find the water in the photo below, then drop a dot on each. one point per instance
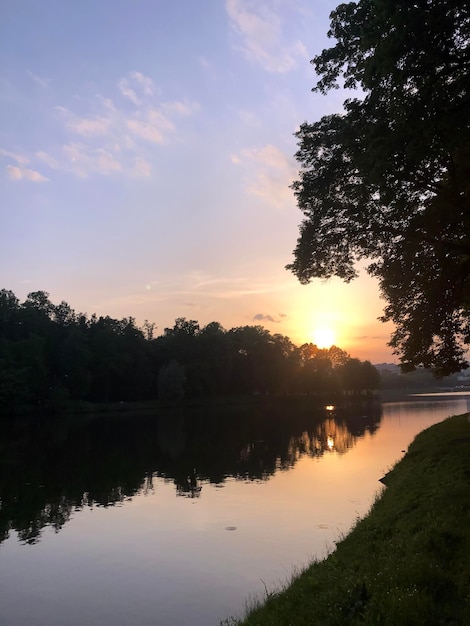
(177, 521)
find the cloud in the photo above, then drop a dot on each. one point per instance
(37, 79)
(268, 156)
(198, 289)
(259, 31)
(260, 317)
(269, 173)
(19, 171)
(208, 68)
(228, 287)
(153, 127)
(145, 83)
(21, 159)
(145, 130)
(196, 284)
(141, 169)
(23, 173)
(48, 159)
(181, 108)
(110, 136)
(90, 127)
(136, 82)
(84, 161)
(128, 92)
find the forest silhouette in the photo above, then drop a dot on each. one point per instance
(52, 359)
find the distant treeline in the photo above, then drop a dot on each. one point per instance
(52, 357)
(419, 380)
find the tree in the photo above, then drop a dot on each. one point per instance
(356, 376)
(171, 382)
(337, 356)
(214, 355)
(9, 307)
(254, 363)
(389, 180)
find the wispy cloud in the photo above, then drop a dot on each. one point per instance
(201, 290)
(223, 287)
(152, 126)
(23, 173)
(136, 86)
(126, 91)
(141, 169)
(269, 173)
(83, 160)
(145, 83)
(19, 171)
(258, 28)
(14, 156)
(268, 156)
(145, 130)
(199, 284)
(107, 136)
(37, 79)
(207, 66)
(87, 127)
(49, 160)
(180, 108)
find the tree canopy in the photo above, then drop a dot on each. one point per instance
(388, 179)
(52, 358)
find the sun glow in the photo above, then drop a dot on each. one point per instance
(324, 337)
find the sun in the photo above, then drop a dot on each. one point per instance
(323, 337)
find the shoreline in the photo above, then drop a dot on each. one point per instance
(406, 562)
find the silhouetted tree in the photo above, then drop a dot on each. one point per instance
(52, 357)
(171, 382)
(389, 179)
(356, 376)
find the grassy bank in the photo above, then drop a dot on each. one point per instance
(408, 561)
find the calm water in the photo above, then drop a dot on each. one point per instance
(176, 521)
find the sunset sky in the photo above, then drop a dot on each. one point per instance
(146, 152)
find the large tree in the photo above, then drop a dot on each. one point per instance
(388, 179)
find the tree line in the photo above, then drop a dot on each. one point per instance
(52, 356)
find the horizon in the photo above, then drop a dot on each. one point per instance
(321, 339)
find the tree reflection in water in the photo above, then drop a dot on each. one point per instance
(50, 469)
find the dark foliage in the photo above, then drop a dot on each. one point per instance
(388, 180)
(52, 357)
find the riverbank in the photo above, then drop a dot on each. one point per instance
(408, 561)
(206, 403)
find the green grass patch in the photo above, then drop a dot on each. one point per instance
(407, 562)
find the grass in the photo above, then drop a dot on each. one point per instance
(408, 562)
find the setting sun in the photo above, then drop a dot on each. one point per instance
(324, 337)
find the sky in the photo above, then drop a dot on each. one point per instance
(146, 153)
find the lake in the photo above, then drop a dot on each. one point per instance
(178, 520)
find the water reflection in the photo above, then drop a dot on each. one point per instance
(51, 469)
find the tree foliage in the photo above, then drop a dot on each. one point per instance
(388, 180)
(51, 357)
(171, 382)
